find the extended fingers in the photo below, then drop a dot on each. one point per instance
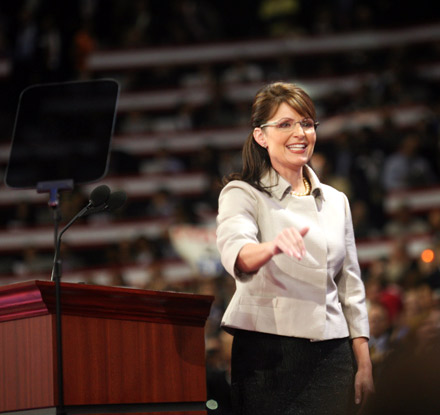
(364, 388)
(291, 242)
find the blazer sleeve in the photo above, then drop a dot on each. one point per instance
(351, 289)
(236, 224)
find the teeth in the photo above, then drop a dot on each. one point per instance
(300, 146)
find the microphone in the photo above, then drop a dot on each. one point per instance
(101, 199)
(114, 201)
(98, 197)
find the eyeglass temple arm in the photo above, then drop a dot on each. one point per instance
(316, 123)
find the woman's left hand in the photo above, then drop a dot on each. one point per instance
(363, 385)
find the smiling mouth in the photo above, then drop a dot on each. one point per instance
(297, 146)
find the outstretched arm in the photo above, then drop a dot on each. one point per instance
(289, 241)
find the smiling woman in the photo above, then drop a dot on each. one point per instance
(290, 143)
(288, 241)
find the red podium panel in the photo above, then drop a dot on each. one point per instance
(123, 347)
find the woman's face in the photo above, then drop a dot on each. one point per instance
(290, 144)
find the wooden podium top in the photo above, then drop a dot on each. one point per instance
(36, 298)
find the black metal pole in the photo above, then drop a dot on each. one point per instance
(60, 373)
(56, 277)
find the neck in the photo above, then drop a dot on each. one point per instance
(294, 177)
(297, 182)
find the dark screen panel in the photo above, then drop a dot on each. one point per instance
(62, 132)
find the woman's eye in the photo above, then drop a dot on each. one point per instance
(307, 123)
(285, 124)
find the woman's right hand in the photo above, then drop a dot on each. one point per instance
(290, 242)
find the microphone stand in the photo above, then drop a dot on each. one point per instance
(53, 188)
(99, 195)
(56, 276)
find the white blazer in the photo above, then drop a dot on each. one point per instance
(320, 297)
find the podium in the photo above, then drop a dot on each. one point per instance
(123, 350)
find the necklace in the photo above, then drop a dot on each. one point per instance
(307, 187)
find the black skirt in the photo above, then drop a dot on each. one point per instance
(291, 376)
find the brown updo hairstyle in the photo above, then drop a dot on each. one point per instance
(256, 161)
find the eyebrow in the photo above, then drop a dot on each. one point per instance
(291, 119)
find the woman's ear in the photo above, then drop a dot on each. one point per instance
(259, 137)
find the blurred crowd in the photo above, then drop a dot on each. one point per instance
(54, 39)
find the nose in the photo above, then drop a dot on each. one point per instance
(298, 128)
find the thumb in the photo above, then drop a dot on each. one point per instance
(304, 231)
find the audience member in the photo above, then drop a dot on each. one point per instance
(432, 276)
(241, 72)
(374, 282)
(380, 331)
(407, 322)
(137, 34)
(410, 375)
(23, 215)
(51, 50)
(162, 162)
(434, 223)
(144, 251)
(403, 222)
(400, 266)
(25, 46)
(162, 204)
(33, 261)
(84, 43)
(363, 226)
(218, 375)
(406, 168)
